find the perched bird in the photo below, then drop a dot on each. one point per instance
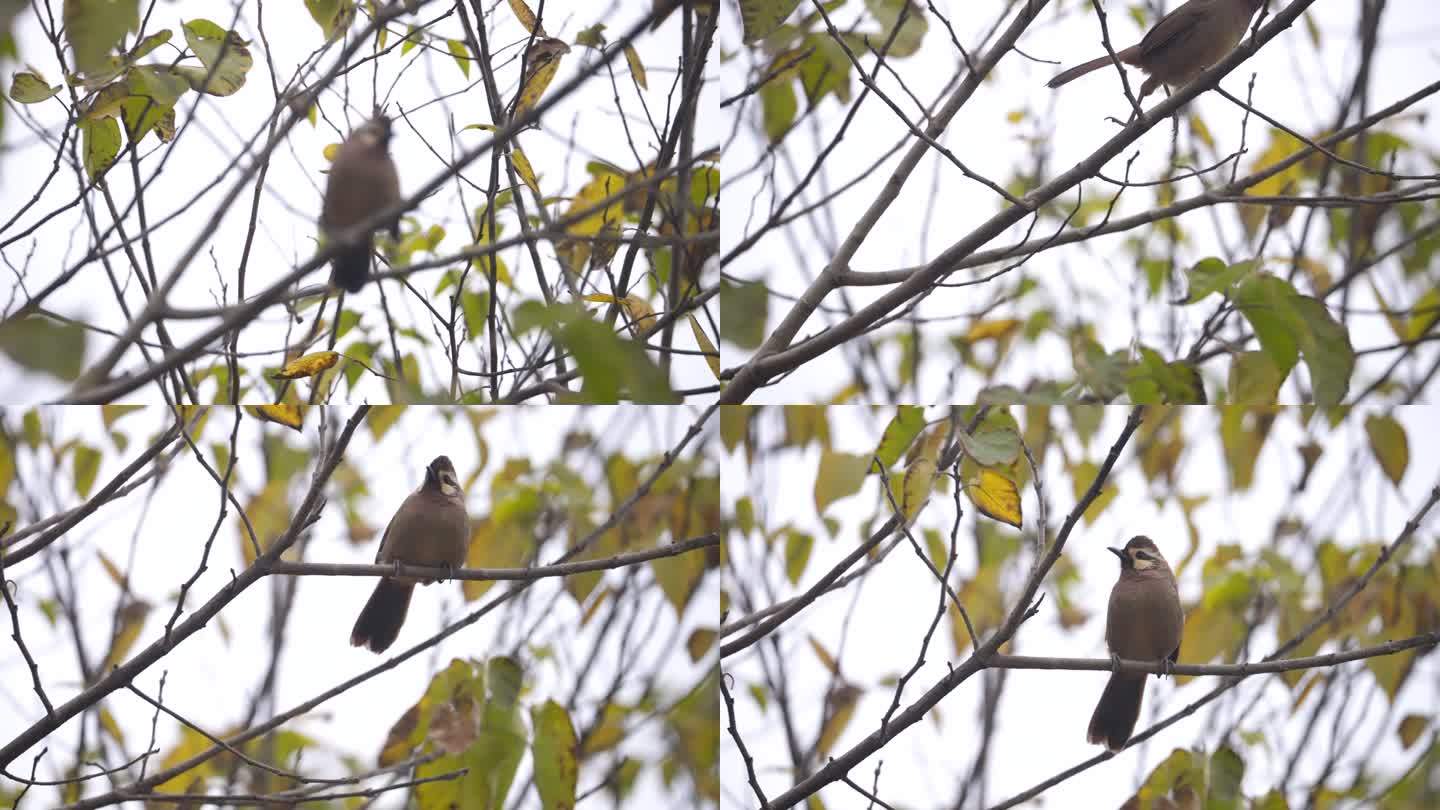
(1192, 37)
(362, 183)
(430, 528)
(1143, 624)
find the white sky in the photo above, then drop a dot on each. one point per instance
(1097, 281)
(212, 678)
(582, 128)
(1043, 714)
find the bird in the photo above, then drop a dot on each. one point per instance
(362, 183)
(430, 528)
(1143, 623)
(1192, 37)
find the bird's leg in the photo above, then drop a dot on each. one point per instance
(1114, 662)
(1167, 665)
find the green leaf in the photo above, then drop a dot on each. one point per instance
(153, 93)
(1212, 275)
(461, 52)
(797, 554)
(30, 88)
(1254, 379)
(609, 364)
(840, 475)
(101, 143)
(1153, 380)
(476, 306)
(1102, 372)
(333, 16)
(148, 44)
(907, 423)
(1426, 313)
(87, 464)
(554, 750)
(592, 37)
(1325, 344)
(1227, 771)
(743, 312)
(825, 71)
(760, 18)
(991, 444)
(94, 28)
(1264, 300)
(778, 106)
(40, 344)
(1290, 325)
(224, 54)
(912, 30)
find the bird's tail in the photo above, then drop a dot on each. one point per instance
(1118, 709)
(1081, 69)
(351, 267)
(381, 619)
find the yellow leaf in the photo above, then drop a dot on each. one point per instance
(637, 310)
(1081, 476)
(269, 515)
(522, 168)
(995, 496)
(608, 734)
(112, 570)
(700, 642)
(986, 330)
(461, 52)
(110, 726)
(637, 70)
(1389, 444)
(1411, 727)
(307, 366)
(826, 659)
(541, 62)
(331, 150)
(525, 16)
(288, 415)
(839, 708)
(915, 491)
(703, 341)
(191, 743)
(132, 621)
(1202, 132)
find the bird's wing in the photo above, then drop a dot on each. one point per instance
(1173, 29)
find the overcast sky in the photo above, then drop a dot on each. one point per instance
(1096, 281)
(1043, 714)
(429, 97)
(213, 674)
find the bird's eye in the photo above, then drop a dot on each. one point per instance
(1142, 555)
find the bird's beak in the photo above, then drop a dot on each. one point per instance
(1118, 552)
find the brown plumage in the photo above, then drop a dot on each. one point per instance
(429, 528)
(1192, 37)
(1143, 624)
(362, 183)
